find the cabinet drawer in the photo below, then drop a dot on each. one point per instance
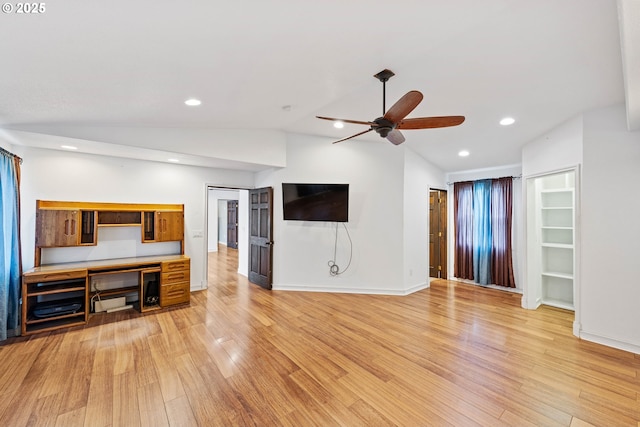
(54, 276)
(177, 293)
(182, 264)
(175, 276)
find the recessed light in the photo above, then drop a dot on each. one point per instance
(463, 153)
(193, 102)
(173, 160)
(338, 125)
(507, 121)
(69, 147)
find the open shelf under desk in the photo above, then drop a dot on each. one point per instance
(116, 291)
(57, 323)
(51, 320)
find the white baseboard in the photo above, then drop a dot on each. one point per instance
(369, 291)
(609, 342)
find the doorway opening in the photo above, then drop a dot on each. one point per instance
(227, 233)
(437, 233)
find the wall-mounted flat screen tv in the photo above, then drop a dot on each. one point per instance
(315, 202)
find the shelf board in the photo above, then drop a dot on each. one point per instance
(150, 308)
(36, 321)
(118, 291)
(558, 303)
(557, 190)
(556, 208)
(555, 227)
(557, 245)
(55, 324)
(559, 275)
(57, 290)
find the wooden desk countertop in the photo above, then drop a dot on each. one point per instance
(103, 264)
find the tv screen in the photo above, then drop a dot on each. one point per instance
(315, 202)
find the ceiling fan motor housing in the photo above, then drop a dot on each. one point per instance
(384, 126)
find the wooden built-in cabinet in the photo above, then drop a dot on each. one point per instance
(162, 226)
(63, 224)
(175, 285)
(63, 295)
(60, 228)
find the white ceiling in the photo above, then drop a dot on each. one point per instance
(133, 63)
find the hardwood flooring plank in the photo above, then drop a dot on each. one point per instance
(73, 418)
(126, 411)
(76, 385)
(99, 410)
(202, 399)
(168, 377)
(151, 406)
(179, 412)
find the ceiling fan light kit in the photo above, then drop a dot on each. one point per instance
(394, 119)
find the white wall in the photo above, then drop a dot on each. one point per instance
(517, 236)
(610, 292)
(375, 173)
(558, 149)
(58, 175)
(419, 177)
(212, 221)
(222, 221)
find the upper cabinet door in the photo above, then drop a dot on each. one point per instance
(169, 226)
(56, 228)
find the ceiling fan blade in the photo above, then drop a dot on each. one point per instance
(395, 137)
(403, 106)
(353, 136)
(430, 122)
(355, 122)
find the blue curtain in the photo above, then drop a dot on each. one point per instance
(10, 247)
(482, 231)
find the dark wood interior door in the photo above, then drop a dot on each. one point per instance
(232, 224)
(438, 234)
(260, 236)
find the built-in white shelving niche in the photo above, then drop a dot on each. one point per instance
(551, 239)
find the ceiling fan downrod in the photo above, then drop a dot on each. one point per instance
(383, 76)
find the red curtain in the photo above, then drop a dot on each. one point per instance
(501, 219)
(463, 214)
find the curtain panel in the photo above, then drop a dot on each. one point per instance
(482, 231)
(10, 259)
(501, 221)
(463, 217)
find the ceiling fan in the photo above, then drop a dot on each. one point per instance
(389, 125)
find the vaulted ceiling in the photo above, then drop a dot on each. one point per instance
(277, 64)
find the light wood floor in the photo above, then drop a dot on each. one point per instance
(454, 354)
